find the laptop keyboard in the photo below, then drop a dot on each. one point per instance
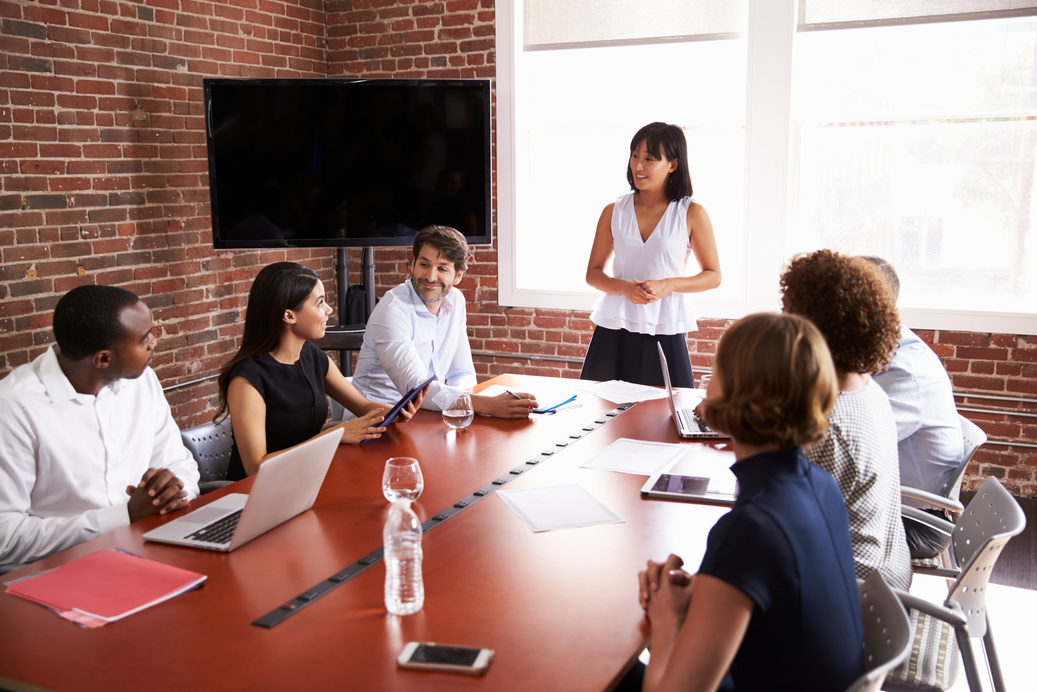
(219, 531)
(690, 422)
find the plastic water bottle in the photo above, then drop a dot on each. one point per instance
(404, 588)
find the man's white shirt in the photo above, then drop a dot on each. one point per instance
(405, 344)
(66, 458)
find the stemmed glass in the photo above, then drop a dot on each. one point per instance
(402, 479)
(459, 414)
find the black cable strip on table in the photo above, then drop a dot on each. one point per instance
(294, 605)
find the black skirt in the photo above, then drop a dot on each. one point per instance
(616, 354)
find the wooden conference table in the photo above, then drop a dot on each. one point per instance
(559, 607)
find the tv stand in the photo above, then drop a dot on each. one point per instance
(345, 338)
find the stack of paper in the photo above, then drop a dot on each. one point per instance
(105, 586)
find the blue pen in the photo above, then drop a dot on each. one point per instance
(548, 410)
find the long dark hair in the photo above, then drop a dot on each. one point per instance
(278, 287)
(665, 140)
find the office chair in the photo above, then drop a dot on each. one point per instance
(210, 444)
(338, 411)
(887, 633)
(947, 499)
(990, 520)
(973, 438)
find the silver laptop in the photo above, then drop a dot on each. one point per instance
(286, 485)
(685, 422)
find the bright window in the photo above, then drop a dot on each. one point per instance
(858, 130)
(576, 146)
(916, 143)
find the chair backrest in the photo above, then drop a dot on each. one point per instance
(887, 633)
(210, 444)
(338, 411)
(973, 438)
(991, 518)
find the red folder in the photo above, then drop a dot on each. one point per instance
(105, 586)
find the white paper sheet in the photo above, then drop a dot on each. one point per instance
(688, 398)
(494, 390)
(620, 392)
(637, 457)
(558, 507)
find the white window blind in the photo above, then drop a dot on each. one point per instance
(831, 14)
(569, 23)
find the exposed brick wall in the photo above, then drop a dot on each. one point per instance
(450, 39)
(1002, 366)
(104, 175)
(103, 179)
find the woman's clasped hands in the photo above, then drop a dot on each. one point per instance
(647, 292)
(637, 294)
(664, 588)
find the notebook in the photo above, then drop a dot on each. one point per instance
(286, 485)
(685, 422)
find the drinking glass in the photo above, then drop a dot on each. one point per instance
(402, 479)
(459, 414)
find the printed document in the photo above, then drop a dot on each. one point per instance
(558, 507)
(637, 456)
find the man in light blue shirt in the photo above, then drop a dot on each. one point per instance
(931, 448)
(420, 328)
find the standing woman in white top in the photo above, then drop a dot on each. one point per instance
(649, 234)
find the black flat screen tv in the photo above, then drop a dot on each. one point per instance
(342, 162)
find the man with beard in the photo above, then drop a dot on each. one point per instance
(420, 329)
(87, 442)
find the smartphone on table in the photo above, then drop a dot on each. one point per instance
(445, 657)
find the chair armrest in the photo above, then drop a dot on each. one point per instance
(938, 501)
(923, 517)
(936, 571)
(951, 616)
(209, 486)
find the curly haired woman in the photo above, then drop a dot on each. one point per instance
(848, 301)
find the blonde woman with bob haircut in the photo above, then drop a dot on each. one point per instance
(774, 604)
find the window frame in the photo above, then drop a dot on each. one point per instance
(767, 203)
